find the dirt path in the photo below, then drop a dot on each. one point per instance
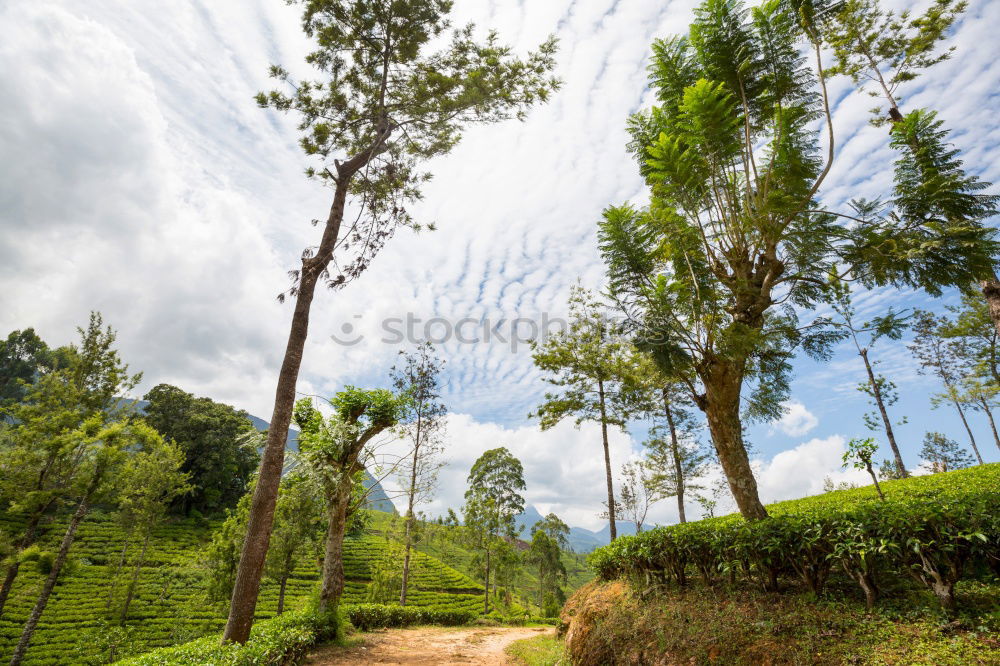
(442, 646)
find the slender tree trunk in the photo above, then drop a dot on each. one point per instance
(993, 425)
(972, 439)
(877, 394)
(878, 488)
(486, 599)
(607, 461)
(135, 581)
(30, 531)
(114, 576)
(721, 404)
(50, 582)
(411, 499)
(281, 594)
(332, 588)
(261, 518)
(675, 450)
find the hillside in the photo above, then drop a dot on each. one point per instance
(842, 577)
(443, 544)
(171, 606)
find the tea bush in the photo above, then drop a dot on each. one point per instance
(935, 529)
(379, 616)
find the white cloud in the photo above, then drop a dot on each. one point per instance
(563, 467)
(797, 420)
(800, 471)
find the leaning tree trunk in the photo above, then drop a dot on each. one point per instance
(50, 582)
(993, 426)
(965, 422)
(114, 576)
(332, 587)
(261, 518)
(607, 461)
(675, 451)
(877, 394)
(135, 581)
(721, 404)
(31, 530)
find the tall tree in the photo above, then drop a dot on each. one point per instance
(219, 444)
(102, 447)
(298, 527)
(333, 450)
(423, 427)
(43, 458)
(877, 387)
(544, 552)
(23, 358)
(386, 103)
(148, 482)
(873, 45)
(492, 501)
(590, 363)
(859, 455)
(713, 274)
(944, 358)
(675, 461)
(944, 454)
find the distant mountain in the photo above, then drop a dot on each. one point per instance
(377, 498)
(581, 540)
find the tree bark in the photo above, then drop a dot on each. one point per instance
(877, 394)
(993, 425)
(332, 588)
(251, 567)
(676, 452)
(486, 597)
(607, 461)
(50, 582)
(878, 488)
(972, 439)
(30, 531)
(281, 594)
(135, 580)
(991, 292)
(721, 404)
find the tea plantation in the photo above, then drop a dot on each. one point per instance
(171, 606)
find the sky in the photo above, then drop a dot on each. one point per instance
(140, 179)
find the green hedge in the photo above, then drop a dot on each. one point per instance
(281, 640)
(378, 616)
(935, 529)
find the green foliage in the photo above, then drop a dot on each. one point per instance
(943, 453)
(380, 616)
(875, 46)
(936, 529)
(171, 605)
(23, 358)
(394, 90)
(219, 445)
(282, 640)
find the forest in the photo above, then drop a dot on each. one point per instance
(146, 523)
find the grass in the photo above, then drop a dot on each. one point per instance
(538, 651)
(171, 605)
(747, 626)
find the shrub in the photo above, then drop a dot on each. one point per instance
(281, 640)
(934, 528)
(379, 616)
